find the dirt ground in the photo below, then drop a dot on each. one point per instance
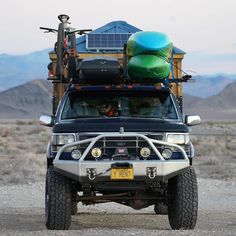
(215, 150)
(22, 151)
(22, 166)
(22, 213)
(23, 145)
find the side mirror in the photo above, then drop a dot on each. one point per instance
(46, 120)
(192, 120)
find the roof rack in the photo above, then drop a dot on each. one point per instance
(65, 61)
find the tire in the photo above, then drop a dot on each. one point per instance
(160, 208)
(74, 207)
(57, 201)
(183, 200)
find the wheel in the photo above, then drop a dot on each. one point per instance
(57, 201)
(74, 207)
(60, 49)
(183, 200)
(160, 208)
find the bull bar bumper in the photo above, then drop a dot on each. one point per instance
(92, 171)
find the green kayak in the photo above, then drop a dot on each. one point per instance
(149, 42)
(148, 68)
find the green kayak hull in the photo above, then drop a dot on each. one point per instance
(149, 42)
(149, 68)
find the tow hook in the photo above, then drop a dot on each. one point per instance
(91, 173)
(151, 172)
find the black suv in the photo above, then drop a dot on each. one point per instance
(127, 144)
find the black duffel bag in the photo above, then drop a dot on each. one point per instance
(100, 70)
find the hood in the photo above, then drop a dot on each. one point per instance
(114, 124)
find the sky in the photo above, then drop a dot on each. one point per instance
(204, 29)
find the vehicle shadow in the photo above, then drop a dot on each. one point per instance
(29, 222)
(100, 220)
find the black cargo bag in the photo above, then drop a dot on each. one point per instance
(100, 70)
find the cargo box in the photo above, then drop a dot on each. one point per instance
(100, 70)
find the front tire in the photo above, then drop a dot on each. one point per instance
(183, 200)
(57, 201)
(74, 207)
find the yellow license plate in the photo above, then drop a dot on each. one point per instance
(122, 173)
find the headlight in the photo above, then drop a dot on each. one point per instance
(145, 152)
(62, 139)
(167, 153)
(96, 152)
(178, 138)
(76, 154)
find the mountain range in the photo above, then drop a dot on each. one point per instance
(33, 98)
(205, 86)
(29, 100)
(21, 96)
(217, 107)
(18, 69)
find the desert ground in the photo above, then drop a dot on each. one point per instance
(22, 165)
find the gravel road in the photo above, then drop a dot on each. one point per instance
(22, 213)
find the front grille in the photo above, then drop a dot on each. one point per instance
(110, 145)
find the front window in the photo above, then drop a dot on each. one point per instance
(140, 104)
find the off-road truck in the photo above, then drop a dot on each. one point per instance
(116, 141)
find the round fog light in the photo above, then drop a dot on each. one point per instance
(167, 153)
(76, 154)
(96, 152)
(145, 152)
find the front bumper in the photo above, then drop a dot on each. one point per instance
(93, 171)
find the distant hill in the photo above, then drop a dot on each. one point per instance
(18, 69)
(205, 86)
(29, 100)
(190, 100)
(218, 107)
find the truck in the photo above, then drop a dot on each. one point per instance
(115, 140)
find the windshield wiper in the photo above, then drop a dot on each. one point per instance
(75, 117)
(151, 117)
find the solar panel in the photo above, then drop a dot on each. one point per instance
(106, 41)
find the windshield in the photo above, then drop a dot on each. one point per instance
(140, 104)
